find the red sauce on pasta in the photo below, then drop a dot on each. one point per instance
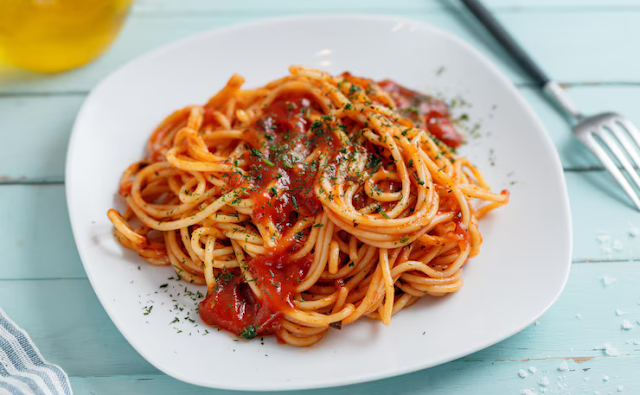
(283, 135)
(429, 113)
(286, 136)
(232, 305)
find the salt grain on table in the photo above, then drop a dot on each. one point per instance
(532, 369)
(522, 373)
(609, 350)
(617, 245)
(626, 325)
(606, 281)
(605, 244)
(563, 366)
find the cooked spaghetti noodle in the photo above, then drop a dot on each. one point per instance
(307, 203)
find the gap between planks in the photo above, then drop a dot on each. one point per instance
(32, 181)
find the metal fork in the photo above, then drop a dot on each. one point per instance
(597, 132)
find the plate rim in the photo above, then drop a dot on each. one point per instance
(367, 377)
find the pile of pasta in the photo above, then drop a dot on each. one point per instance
(396, 211)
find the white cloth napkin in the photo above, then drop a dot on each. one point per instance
(23, 370)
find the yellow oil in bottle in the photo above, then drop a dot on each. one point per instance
(57, 35)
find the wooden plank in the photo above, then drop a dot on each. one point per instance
(454, 378)
(43, 157)
(605, 222)
(562, 42)
(70, 327)
(36, 237)
(36, 133)
(66, 321)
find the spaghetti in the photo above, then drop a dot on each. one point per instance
(307, 203)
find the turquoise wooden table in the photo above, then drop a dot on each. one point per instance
(580, 346)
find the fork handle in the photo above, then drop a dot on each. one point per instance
(505, 39)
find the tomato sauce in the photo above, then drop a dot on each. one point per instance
(232, 305)
(282, 134)
(284, 129)
(427, 112)
(281, 184)
(278, 276)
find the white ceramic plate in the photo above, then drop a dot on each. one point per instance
(522, 267)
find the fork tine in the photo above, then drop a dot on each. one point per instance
(631, 128)
(617, 152)
(604, 158)
(618, 129)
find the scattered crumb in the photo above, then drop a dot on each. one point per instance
(626, 325)
(545, 381)
(620, 388)
(522, 373)
(617, 245)
(579, 316)
(633, 231)
(621, 312)
(563, 366)
(606, 281)
(605, 378)
(605, 244)
(532, 369)
(609, 350)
